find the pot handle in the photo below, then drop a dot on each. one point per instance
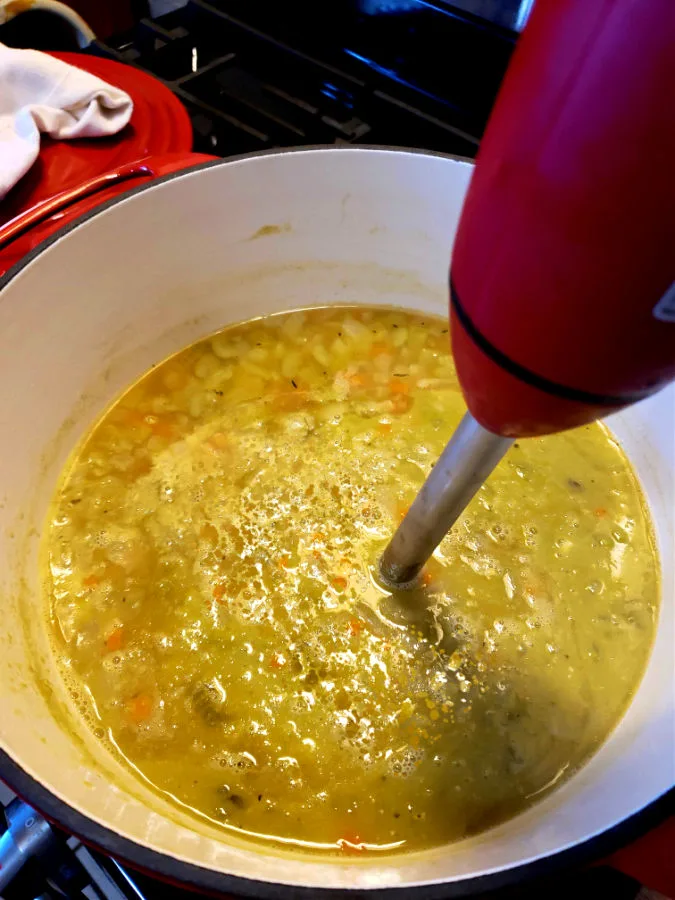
(17, 226)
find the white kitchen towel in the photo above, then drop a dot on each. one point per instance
(39, 93)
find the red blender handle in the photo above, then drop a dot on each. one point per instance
(566, 244)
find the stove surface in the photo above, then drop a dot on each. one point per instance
(253, 79)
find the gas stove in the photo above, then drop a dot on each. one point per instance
(40, 862)
(257, 76)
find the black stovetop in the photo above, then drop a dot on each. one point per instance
(254, 79)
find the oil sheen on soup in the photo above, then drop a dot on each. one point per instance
(209, 563)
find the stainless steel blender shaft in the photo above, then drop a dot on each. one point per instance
(467, 460)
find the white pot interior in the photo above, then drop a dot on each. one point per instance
(173, 263)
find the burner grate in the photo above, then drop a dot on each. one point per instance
(246, 90)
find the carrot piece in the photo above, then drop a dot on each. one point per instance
(427, 578)
(360, 380)
(91, 581)
(377, 348)
(339, 583)
(115, 639)
(600, 512)
(163, 428)
(141, 466)
(384, 427)
(354, 626)
(140, 708)
(351, 843)
(401, 403)
(218, 592)
(398, 386)
(277, 661)
(283, 561)
(402, 512)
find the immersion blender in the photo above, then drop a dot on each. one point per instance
(562, 291)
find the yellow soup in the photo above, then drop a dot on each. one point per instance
(209, 564)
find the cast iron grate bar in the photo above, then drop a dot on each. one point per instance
(246, 90)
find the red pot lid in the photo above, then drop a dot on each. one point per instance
(159, 124)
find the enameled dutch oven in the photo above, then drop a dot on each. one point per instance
(139, 276)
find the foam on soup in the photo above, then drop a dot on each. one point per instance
(209, 563)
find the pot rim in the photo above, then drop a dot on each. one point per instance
(210, 881)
